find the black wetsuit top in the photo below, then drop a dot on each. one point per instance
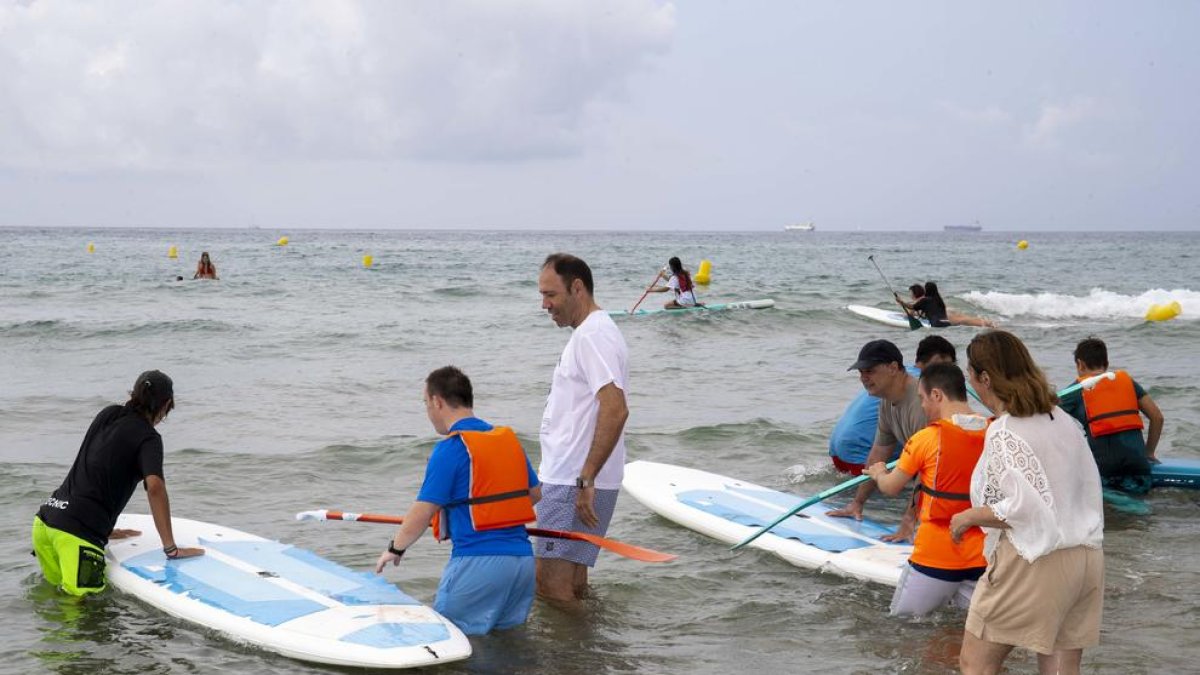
(933, 310)
(120, 449)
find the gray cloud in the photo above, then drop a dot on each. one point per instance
(94, 86)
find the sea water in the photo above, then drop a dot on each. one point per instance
(298, 381)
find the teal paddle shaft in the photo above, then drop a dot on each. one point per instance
(858, 480)
(842, 487)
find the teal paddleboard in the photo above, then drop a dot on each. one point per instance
(744, 304)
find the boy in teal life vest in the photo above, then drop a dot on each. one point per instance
(121, 449)
(1111, 415)
(479, 491)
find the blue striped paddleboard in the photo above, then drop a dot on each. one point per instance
(281, 598)
(743, 304)
(1176, 472)
(730, 510)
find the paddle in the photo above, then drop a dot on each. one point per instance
(657, 276)
(1087, 383)
(619, 547)
(913, 322)
(841, 487)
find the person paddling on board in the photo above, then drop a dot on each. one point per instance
(121, 449)
(679, 281)
(478, 492)
(942, 456)
(927, 302)
(881, 370)
(205, 269)
(1111, 414)
(854, 434)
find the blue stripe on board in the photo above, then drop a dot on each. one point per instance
(785, 502)
(223, 586)
(315, 573)
(737, 509)
(388, 635)
(1175, 472)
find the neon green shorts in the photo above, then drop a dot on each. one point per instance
(72, 564)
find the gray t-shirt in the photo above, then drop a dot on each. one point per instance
(899, 421)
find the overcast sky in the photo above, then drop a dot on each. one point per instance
(612, 114)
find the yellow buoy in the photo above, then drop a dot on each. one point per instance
(368, 261)
(1022, 244)
(91, 247)
(283, 241)
(172, 252)
(704, 274)
(1164, 312)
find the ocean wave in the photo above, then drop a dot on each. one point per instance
(55, 328)
(1098, 304)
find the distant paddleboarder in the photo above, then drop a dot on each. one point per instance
(927, 302)
(680, 282)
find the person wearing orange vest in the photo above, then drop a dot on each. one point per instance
(942, 456)
(1111, 415)
(478, 492)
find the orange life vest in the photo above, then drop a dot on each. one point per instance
(958, 452)
(499, 483)
(1111, 406)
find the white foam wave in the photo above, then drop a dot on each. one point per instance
(1098, 304)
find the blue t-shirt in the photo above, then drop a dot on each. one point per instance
(447, 479)
(854, 433)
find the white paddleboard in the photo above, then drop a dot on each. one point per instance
(742, 304)
(281, 598)
(884, 316)
(730, 510)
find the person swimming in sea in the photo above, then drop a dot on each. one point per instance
(205, 269)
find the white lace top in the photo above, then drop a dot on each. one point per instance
(1038, 476)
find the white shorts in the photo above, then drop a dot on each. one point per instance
(918, 594)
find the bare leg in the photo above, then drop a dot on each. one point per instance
(1061, 662)
(560, 580)
(980, 657)
(966, 320)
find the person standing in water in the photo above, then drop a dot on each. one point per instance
(205, 269)
(583, 428)
(680, 281)
(121, 449)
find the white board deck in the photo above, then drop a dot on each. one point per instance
(281, 598)
(729, 510)
(884, 316)
(720, 307)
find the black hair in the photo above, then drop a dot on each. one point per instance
(452, 385)
(933, 346)
(931, 290)
(917, 290)
(676, 265)
(569, 268)
(1093, 352)
(151, 391)
(678, 271)
(946, 377)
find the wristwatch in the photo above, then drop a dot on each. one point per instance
(398, 552)
(581, 482)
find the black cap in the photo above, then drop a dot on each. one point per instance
(154, 386)
(875, 352)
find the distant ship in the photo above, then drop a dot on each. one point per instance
(963, 228)
(804, 227)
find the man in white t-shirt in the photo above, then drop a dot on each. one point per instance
(582, 434)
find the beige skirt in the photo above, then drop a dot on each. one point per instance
(1051, 604)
